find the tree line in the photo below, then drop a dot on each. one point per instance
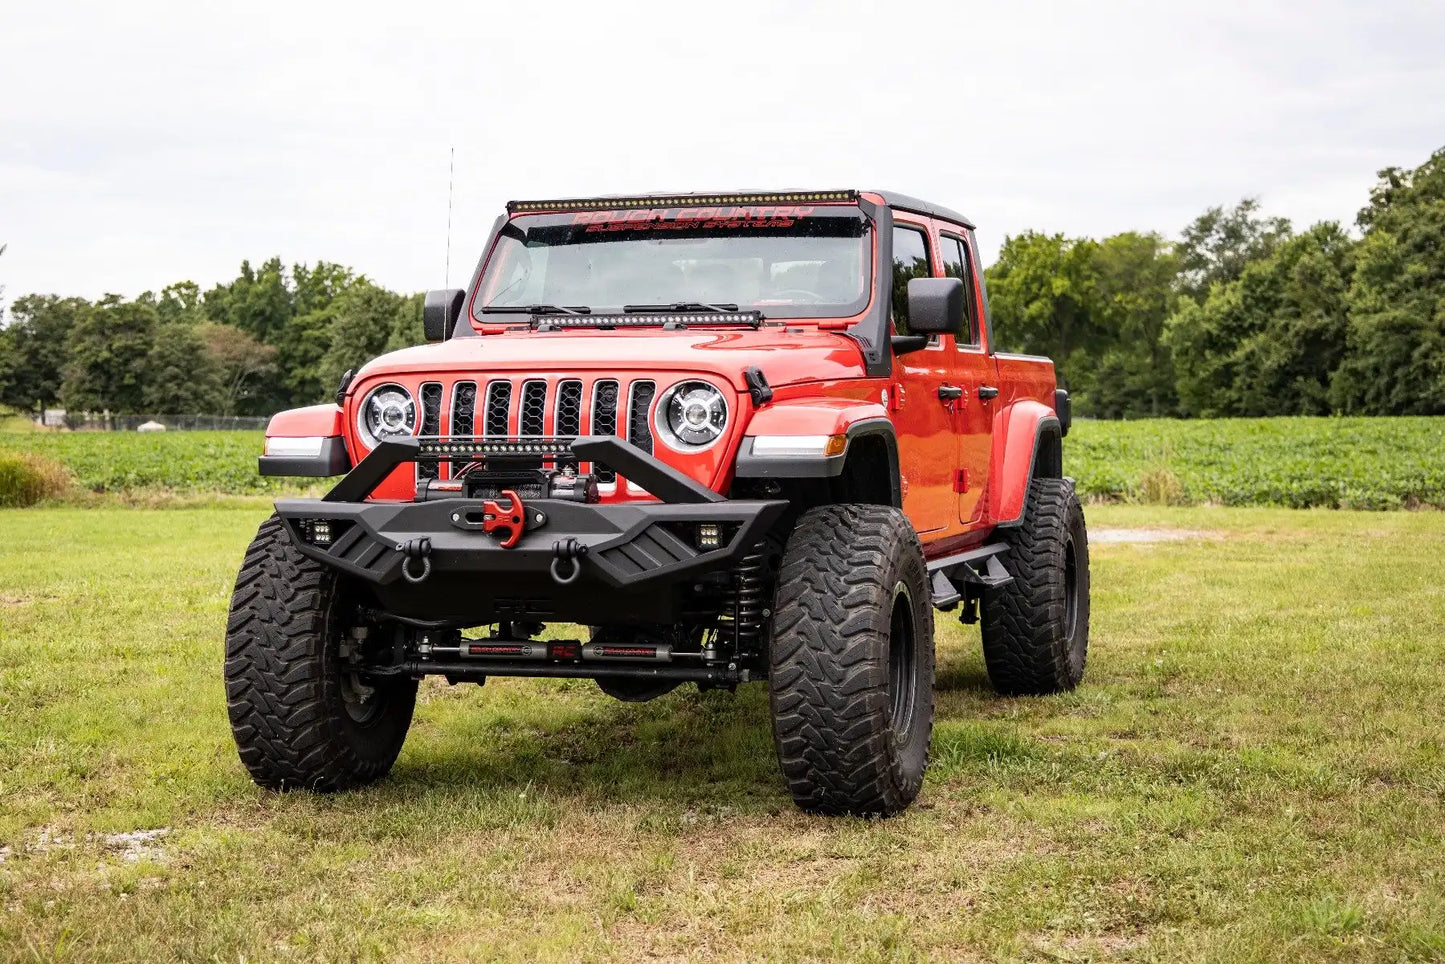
(272, 338)
(1242, 315)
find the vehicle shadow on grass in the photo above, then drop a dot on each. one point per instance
(684, 748)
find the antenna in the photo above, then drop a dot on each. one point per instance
(451, 172)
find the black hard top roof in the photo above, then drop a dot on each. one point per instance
(893, 199)
(903, 202)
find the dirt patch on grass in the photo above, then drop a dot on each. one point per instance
(1145, 536)
(132, 847)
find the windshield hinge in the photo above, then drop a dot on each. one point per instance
(758, 386)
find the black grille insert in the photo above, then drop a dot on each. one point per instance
(499, 407)
(431, 423)
(534, 409)
(569, 409)
(639, 429)
(464, 408)
(604, 420)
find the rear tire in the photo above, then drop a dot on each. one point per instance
(851, 661)
(1036, 628)
(299, 720)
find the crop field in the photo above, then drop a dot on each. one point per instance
(1351, 463)
(1359, 463)
(187, 462)
(1252, 770)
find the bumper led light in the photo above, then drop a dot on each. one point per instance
(300, 447)
(709, 536)
(795, 446)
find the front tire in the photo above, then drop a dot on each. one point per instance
(851, 661)
(299, 719)
(1036, 628)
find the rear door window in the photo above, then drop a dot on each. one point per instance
(954, 253)
(910, 260)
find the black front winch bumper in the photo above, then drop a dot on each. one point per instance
(574, 561)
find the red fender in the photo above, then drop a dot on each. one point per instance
(323, 420)
(813, 416)
(1017, 432)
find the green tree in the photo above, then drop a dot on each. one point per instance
(305, 340)
(181, 376)
(1394, 360)
(1134, 375)
(1044, 298)
(1217, 246)
(370, 320)
(105, 356)
(257, 302)
(181, 302)
(1267, 342)
(32, 349)
(240, 361)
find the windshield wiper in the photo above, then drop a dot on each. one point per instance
(720, 307)
(538, 309)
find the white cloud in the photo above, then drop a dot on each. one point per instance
(144, 143)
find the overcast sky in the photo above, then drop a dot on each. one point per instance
(144, 143)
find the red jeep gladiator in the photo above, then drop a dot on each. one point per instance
(730, 437)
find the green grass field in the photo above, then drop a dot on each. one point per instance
(1352, 463)
(1253, 770)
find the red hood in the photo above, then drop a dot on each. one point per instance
(803, 354)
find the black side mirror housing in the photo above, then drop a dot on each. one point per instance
(440, 312)
(935, 306)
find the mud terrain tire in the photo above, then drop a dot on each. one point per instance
(299, 722)
(1036, 628)
(851, 661)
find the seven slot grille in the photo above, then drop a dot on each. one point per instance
(537, 408)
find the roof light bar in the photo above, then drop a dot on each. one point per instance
(683, 201)
(649, 319)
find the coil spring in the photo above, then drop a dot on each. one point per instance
(750, 597)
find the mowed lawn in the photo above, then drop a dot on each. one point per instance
(1253, 769)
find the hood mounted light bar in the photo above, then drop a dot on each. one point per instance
(649, 319)
(683, 201)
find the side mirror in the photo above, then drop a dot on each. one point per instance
(935, 306)
(440, 311)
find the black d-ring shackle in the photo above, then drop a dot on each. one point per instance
(413, 550)
(566, 551)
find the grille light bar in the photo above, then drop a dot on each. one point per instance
(682, 201)
(445, 448)
(649, 319)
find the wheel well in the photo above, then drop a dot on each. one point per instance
(1049, 453)
(870, 473)
(869, 476)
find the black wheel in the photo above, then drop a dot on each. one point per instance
(299, 718)
(851, 661)
(1036, 628)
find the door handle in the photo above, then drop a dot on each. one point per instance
(985, 392)
(949, 393)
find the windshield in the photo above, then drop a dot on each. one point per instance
(799, 261)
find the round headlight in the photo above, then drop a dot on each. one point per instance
(388, 412)
(691, 415)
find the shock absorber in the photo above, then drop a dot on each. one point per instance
(750, 600)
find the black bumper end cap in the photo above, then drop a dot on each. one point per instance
(332, 461)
